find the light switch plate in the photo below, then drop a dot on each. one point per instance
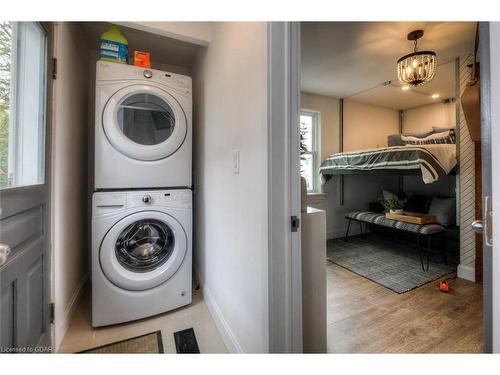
(236, 161)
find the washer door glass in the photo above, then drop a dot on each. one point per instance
(145, 245)
(146, 119)
(143, 250)
(144, 122)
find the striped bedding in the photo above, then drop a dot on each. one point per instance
(434, 161)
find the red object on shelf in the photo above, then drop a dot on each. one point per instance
(142, 59)
(444, 286)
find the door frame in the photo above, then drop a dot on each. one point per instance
(285, 265)
(49, 107)
(490, 114)
(285, 289)
(15, 198)
(49, 28)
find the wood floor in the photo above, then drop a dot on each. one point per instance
(364, 317)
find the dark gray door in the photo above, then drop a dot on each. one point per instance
(25, 102)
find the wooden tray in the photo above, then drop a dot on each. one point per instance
(413, 218)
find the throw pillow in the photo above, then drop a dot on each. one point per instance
(444, 209)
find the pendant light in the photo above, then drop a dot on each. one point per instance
(418, 67)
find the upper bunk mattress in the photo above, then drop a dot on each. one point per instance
(434, 160)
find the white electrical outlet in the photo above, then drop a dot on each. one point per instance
(236, 161)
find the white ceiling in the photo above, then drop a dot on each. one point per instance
(353, 59)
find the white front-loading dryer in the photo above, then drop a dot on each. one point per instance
(141, 254)
(143, 128)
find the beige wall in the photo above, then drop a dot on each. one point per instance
(424, 118)
(329, 109)
(70, 174)
(367, 126)
(230, 210)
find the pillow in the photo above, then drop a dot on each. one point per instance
(394, 140)
(420, 134)
(446, 137)
(444, 209)
(440, 129)
(446, 129)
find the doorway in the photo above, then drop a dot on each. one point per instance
(394, 307)
(25, 251)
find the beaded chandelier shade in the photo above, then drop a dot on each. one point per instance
(418, 67)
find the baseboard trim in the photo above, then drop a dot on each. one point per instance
(466, 272)
(61, 326)
(232, 344)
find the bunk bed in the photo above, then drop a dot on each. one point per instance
(432, 161)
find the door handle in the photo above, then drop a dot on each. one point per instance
(477, 226)
(488, 220)
(4, 253)
(485, 225)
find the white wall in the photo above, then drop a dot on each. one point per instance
(230, 240)
(425, 117)
(70, 173)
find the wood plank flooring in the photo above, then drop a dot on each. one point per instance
(364, 317)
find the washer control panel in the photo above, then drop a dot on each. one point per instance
(109, 202)
(170, 198)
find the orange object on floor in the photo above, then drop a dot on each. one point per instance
(142, 59)
(444, 286)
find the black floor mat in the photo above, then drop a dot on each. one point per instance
(185, 342)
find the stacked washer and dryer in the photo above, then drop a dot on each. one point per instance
(142, 204)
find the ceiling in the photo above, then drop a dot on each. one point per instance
(163, 49)
(354, 59)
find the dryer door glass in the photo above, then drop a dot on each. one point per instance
(145, 245)
(146, 119)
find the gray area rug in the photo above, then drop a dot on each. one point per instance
(392, 263)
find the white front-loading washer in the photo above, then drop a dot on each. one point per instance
(141, 254)
(143, 128)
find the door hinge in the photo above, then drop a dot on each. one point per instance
(52, 313)
(295, 223)
(54, 68)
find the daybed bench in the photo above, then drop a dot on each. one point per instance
(425, 231)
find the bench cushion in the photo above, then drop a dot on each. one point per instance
(380, 219)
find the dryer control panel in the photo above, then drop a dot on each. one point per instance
(106, 72)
